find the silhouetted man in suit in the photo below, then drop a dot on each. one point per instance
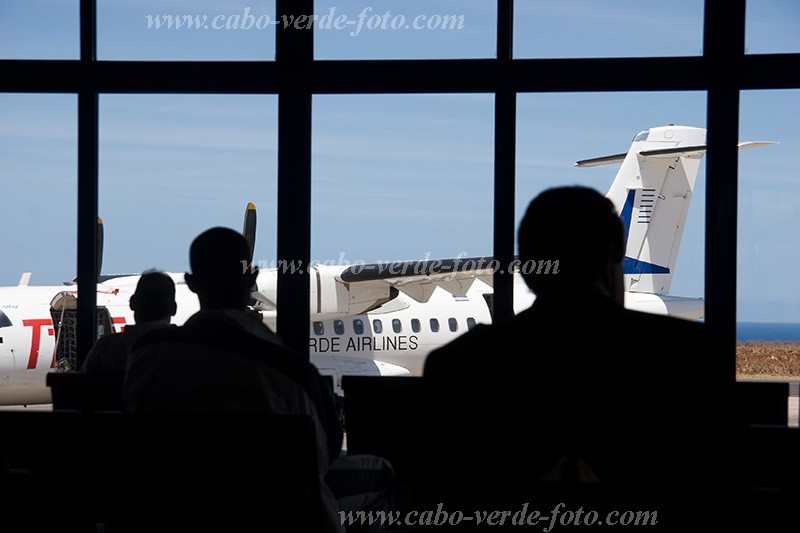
(578, 399)
(225, 359)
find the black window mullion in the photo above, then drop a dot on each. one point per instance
(505, 120)
(294, 56)
(87, 266)
(723, 52)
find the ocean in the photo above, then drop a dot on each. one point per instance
(768, 331)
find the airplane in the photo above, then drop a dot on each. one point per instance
(384, 318)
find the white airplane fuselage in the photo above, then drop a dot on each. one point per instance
(401, 332)
(393, 339)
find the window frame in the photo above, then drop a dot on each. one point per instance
(503, 76)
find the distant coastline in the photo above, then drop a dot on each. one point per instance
(768, 331)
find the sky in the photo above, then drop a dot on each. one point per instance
(393, 176)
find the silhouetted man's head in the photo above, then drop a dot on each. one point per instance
(154, 299)
(221, 273)
(579, 228)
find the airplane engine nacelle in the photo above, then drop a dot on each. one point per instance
(331, 297)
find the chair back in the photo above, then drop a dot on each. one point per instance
(382, 417)
(208, 472)
(86, 392)
(762, 402)
(44, 485)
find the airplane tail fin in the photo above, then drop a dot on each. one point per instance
(652, 191)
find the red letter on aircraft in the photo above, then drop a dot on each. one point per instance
(36, 337)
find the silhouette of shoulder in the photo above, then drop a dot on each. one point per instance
(226, 332)
(587, 379)
(232, 343)
(590, 327)
(109, 354)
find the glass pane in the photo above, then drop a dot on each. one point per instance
(401, 177)
(557, 130)
(768, 261)
(607, 28)
(38, 163)
(772, 26)
(183, 30)
(40, 29)
(172, 166)
(412, 29)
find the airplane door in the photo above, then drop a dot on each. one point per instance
(6, 357)
(64, 312)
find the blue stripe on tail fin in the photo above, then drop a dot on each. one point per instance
(632, 265)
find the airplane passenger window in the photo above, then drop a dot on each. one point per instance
(396, 326)
(4, 320)
(377, 326)
(319, 328)
(415, 325)
(358, 326)
(453, 323)
(471, 322)
(434, 325)
(338, 327)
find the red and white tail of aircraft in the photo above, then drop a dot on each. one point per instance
(384, 318)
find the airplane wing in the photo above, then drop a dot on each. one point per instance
(350, 290)
(418, 279)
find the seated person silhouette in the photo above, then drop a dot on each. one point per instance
(577, 399)
(225, 359)
(153, 305)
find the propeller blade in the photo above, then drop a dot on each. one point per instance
(249, 232)
(249, 228)
(99, 247)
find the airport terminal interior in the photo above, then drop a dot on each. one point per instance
(769, 446)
